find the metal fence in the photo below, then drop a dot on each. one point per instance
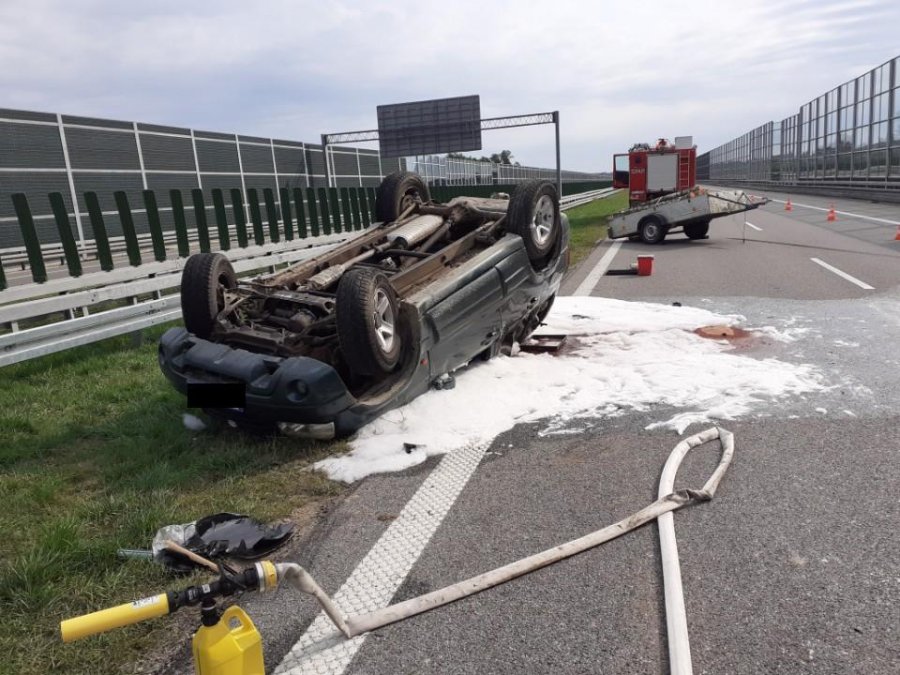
(443, 170)
(847, 138)
(43, 153)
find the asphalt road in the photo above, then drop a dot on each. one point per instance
(794, 567)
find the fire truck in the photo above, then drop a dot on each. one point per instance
(664, 196)
(648, 173)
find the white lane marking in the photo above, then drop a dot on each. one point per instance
(586, 286)
(843, 213)
(843, 275)
(322, 649)
(758, 229)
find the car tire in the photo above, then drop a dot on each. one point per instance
(697, 230)
(534, 215)
(204, 279)
(653, 230)
(368, 321)
(397, 192)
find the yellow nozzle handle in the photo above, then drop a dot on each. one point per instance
(114, 617)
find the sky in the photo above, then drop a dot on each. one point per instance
(618, 359)
(618, 73)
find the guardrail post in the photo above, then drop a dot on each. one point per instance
(221, 219)
(354, 205)
(240, 219)
(324, 211)
(181, 234)
(156, 233)
(64, 227)
(345, 210)
(256, 217)
(29, 236)
(313, 211)
(131, 242)
(200, 215)
(286, 213)
(271, 214)
(301, 213)
(101, 237)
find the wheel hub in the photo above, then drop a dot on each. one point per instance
(384, 321)
(542, 223)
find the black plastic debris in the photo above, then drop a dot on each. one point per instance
(220, 535)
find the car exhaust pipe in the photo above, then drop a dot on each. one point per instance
(415, 231)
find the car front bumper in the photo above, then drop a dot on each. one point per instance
(298, 395)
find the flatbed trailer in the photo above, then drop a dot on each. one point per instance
(689, 211)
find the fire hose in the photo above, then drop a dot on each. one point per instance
(267, 575)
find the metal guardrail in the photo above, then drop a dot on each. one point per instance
(73, 297)
(571, 201)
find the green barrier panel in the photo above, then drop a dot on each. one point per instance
(29, 236)
(271, 214)
(2, 277)
(156, 233)
(131, 241)
(324, 211)
(181, 235)
(334, 210)
(286, 213)
(200, 215)
(240, 219)
(354, 205)
(101, 237)
(346, 215)
(256, 216)
(370, 198)
(64, 227)
(221, 219)
(301, 213)
(364, 207)
(313, 211)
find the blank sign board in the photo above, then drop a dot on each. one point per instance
(428, 127)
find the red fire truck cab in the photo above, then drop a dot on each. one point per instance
(650, 172)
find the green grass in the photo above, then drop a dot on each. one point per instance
(587, 224)
(94, 457)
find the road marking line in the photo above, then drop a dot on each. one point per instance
(758, 229)
(587, 286)
(844, 275)
(843, 213)
(322, 650)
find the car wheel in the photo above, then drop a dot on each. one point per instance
(534, 215)
(397, 192)
(204, 280)
(697, 230)
(368, 326)
(653, 230)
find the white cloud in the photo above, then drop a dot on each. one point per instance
(618, 73)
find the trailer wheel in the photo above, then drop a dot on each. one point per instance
(368, 321)
(397, 192)
(697, 230)
(534, 215)
(204, 280)
(653, 230)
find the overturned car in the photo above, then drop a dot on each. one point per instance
(326, 345)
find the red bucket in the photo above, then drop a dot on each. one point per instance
(645, 265)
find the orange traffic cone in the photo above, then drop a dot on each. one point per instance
(788, 206)
(897, 237)
(832, 216)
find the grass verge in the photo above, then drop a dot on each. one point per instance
(94, 457)
(587, 224)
